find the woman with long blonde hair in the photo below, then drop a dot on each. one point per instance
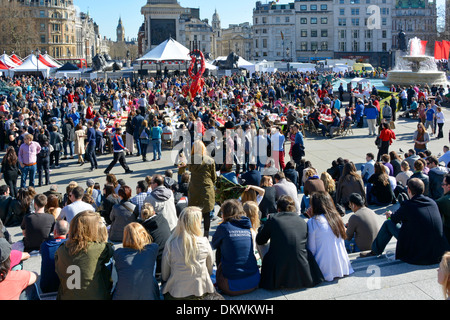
(87, 252)
(444, 275)
(201, 191)
(133, 262)
(187, 259)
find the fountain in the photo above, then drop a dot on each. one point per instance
(415, 68)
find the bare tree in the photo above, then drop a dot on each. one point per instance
(19, 28)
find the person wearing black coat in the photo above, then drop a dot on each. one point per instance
(268, 204)
(10, 170)
(43, 162)
(288, 263)
(68, 131)
(420, 239)
(158, 228)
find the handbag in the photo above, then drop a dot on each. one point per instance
(144, 137)
(378, 142)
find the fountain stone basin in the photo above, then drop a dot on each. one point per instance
(417, 75)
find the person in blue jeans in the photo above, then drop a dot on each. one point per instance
(27, 158)
(156, 140)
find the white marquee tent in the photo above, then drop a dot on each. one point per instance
(7, 61)
(169, 50)
(242, 63)
(31, 64)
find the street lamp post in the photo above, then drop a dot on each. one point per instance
(38, 53)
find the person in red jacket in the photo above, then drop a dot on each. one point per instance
(386, 136)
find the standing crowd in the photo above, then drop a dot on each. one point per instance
(265, 227)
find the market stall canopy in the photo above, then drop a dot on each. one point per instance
(242, 63)
(52, 61)
(32, 64)
(46, 60)
(3, 66)
(16, 59)
(6, 60)
(169, 50)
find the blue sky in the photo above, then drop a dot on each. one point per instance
(106, 13)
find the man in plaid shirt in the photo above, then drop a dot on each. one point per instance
(141, 194)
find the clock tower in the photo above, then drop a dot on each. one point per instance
(120, 32)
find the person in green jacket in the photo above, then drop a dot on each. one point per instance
(444, 206)
(80, 262)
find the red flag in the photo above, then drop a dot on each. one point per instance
(438, 50)
(424, 47)
(445, 49)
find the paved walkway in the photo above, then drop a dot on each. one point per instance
(374, 277)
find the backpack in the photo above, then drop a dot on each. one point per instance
(45, 152)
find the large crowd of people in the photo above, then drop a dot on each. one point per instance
(235, 156)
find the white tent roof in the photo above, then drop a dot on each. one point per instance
(52, 61)
(169, 50)
(30, 64)
(241, 62)
(6, 60)
(360, 80)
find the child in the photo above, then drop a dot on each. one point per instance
(181, 163)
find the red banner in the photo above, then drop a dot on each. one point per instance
(438, 52)
(445, 49)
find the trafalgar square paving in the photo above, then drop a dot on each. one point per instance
(374, 278)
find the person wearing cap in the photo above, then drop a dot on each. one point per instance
(119, 155)
(362, 226)
(12, 283)
(54, 191)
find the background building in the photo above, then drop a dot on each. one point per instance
(315, 30)
(52, 26)
(274, 31)
(417, 18)
(364, 32)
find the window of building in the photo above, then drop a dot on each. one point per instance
(324, 20)
(303, 46)
(314, 46)
(303, 33)
(313, 7)
(342, 22)
(355, 22)
(313, 21)
(342, 46)
(303, 7)
(355, 12)
(384, 34)
(42, 39)
(324, 46)
(342, 12)
(303, 21)
(368, 46)
(323, 7)
(355, 46)
(313, 33)
(384, 46)
(324, 33)
(264, 44)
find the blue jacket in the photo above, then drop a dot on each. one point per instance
(118, 143)
(156, 133)
(237, 257)
(371, 112)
